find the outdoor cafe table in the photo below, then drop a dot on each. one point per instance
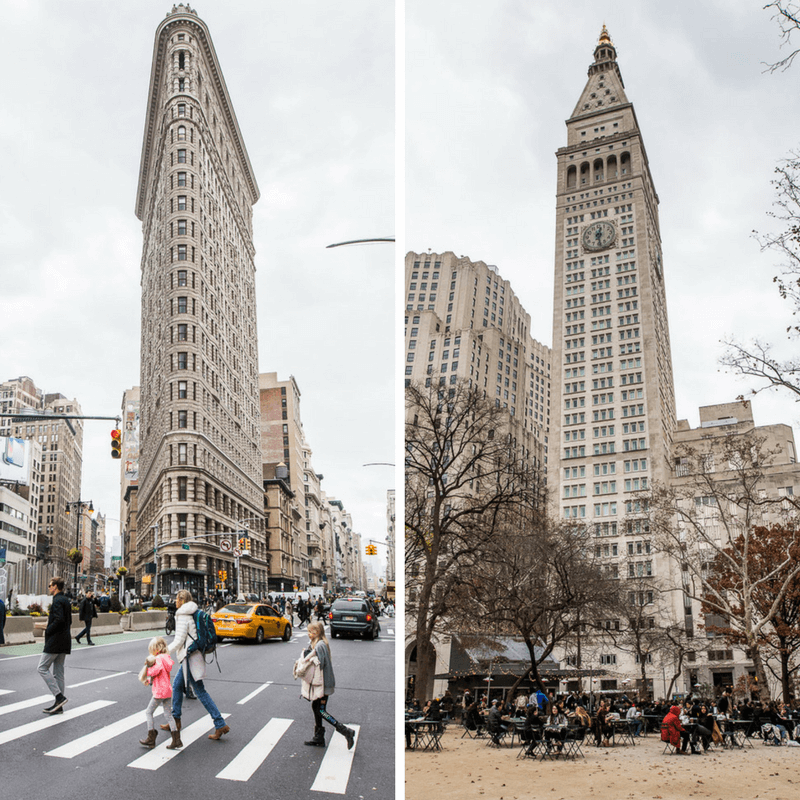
(623, 732)
(734, 731)
(651, 722)
(427, 734)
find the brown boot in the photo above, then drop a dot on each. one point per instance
(150, 741)
(176, 741)
(219, 732)
(165, 726)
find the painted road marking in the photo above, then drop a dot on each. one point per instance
(56, 719)
(159, 756)
(334, 771)
(255, 751)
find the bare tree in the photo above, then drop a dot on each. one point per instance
(712, 517)
(537, 580)
(787, 15)
(465, 472)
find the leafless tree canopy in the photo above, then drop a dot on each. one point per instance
(787, 16)
(464, 474)
(709, 523)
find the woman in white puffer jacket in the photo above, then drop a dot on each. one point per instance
(185, 633)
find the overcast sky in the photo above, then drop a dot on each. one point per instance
(312, 85)
(488, 91)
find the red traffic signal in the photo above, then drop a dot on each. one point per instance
(116, 443)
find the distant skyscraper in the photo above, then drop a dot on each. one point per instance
(56, 478)
(199, 459)
(613, 396)
(463, 321)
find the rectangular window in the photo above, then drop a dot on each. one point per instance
(182, 277)
(182, 333)
(182, 488)
(182, 454)
(182, 305)
(182, 419)
(183, 358)
(181, 156)
(182, 197)
(181, 252)
(182, 391)
(181, 179)
(181, 227)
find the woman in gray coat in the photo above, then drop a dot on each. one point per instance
(319, 644)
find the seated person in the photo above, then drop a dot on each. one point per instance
(533, 723)
(634, 717)
(674, 732)
(602, 728)
(555, 730)
(705, 727)
(495, 722)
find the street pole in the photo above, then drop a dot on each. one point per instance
(155, 552)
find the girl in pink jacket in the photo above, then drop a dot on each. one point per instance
(159, 665)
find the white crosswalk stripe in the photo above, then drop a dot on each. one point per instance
(55, 719)
(254, 693)
(6, 691)
(332, 776)
(252, 755)
(159, 756)
(34, 701)
(334, 771)
(84, 743)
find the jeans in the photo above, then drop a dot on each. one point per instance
(202, 695)
(55, 682)
(87, 630)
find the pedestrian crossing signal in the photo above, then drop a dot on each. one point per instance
(116, 443)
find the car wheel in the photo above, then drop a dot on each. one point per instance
(369, 635)
(287, 633)
(259, 636)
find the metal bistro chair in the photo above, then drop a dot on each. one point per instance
(669, 748)
(496, 733)
(573, 744)
(534, 746)
(429, 736)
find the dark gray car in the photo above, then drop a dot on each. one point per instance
(353, 615)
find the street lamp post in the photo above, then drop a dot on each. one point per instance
(77, 504)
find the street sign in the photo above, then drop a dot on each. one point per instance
(185, 546)
(225, 545)
(237, 552)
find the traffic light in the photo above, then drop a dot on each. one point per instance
(116, 443)
(372, 550)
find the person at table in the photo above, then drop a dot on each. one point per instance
(414, 709)
(778, 721)
(472, 717)
(447, 704)
(555, 729)
(674, 732)
(705, 727)
(534, 722)
(433, 710)
(602, 727)
(582, 717)
(635, 721)
(496, 722)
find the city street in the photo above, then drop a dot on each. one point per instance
(92, 749)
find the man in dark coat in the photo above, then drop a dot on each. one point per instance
(2, 621)
(57, 645)
(86, 613)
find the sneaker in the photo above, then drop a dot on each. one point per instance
(60, 701)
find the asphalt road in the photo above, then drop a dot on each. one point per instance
(92, 749)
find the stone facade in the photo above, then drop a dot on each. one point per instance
(56, 474)
(464, 322)
(199, 461)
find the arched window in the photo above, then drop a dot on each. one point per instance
(572, 177)
(625, 164)
(598, 170)
(181, 59)
(611, 168)
(584, 173)
(181, 133)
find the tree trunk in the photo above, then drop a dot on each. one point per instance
(785, 684)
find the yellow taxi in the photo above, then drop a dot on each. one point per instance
(256, 621)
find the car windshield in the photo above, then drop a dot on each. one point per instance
(236, 608)
(350, 605)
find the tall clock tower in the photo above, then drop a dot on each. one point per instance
(613, 409)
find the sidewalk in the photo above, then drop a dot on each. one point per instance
(17, 650)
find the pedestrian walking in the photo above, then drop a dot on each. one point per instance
(320, 650)
(158, 666)
(2, 621)
(57, 645)
(86, 613)
(192, 668)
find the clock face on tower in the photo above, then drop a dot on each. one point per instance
(599, 235)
